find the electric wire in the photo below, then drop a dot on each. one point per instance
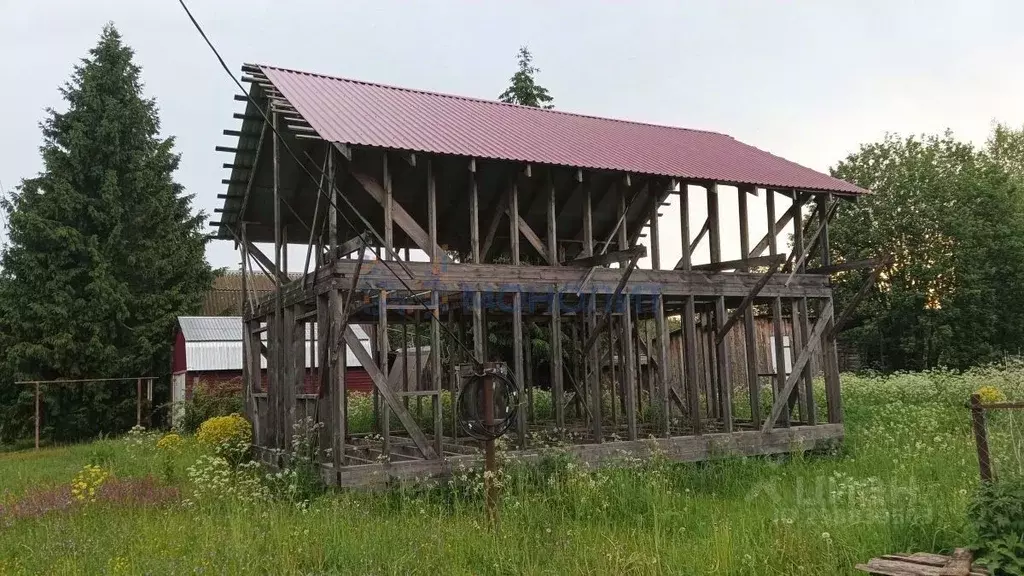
(391, 252)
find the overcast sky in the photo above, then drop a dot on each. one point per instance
(809, 81)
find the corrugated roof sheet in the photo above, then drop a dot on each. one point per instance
(365, 114)
(215, 343)
(211, 328)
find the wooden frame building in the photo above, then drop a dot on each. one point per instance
(414, 208)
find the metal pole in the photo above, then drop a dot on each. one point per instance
(37, 415)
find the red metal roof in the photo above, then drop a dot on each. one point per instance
(365, 114)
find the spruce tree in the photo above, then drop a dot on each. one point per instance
(104, 250)
(524, 89)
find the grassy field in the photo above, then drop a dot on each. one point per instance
(900, 483)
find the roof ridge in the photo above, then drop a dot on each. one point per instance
(486, 101)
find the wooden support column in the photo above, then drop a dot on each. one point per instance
(517, 311)
(479, 349)
(801, 322)
(629, 363)
(780, 348)
(688, 350)
(275, 343)
(436, 258)
(749, 327)
(661, 326)
(593, 365)
(723, 383)
(557, 388)
(830, 358)
(383, 345)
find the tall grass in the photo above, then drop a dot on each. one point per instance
(901, 482)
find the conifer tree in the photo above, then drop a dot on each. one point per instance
(104, 250)
(524, 89)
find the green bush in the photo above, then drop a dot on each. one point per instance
(997, 514)
(209, 400)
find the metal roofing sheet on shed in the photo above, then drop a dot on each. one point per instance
(215, 343)
(366, 114)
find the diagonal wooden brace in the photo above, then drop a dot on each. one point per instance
(380, 382)
(813, 342)
(609, 257)
(404, 220)
(852, 305)
(693, 245)
(268, 266)
(615, 296)
(748, 299)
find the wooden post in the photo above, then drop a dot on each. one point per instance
(801, 321)
(149, 402)
(722, 385)
(557, 388)
(490, 460)
(382, 306)
(749, 327)
(37, 415)
(593, 363)
(474, 239)
(275, 341)
(830, 358)
(981, 438)
(780, 348)
(688, 350)
(628, 363)
(138, 402)
(660, 326)
(435, 304)
(517, 310)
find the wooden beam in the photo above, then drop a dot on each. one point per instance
(609, 257)
(851, 306)
(518, 367)
(615, 296)
(534, 240)
(813, 342)
(557, 388)
(380, 382)
(685, 261)
(749, 327)
(724, 369)
(436, 258)
(404, 220)
(675, 449)
(693, 245)
(748, 299)
(265, 261)
(629, 361)
(844, 266)
(771, 234)
(592, 363)
(496, 216)
(714, 224)
(741, 264)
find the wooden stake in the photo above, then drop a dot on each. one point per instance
(980, 438)
(37, 415)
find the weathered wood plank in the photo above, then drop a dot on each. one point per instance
(676, 449)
